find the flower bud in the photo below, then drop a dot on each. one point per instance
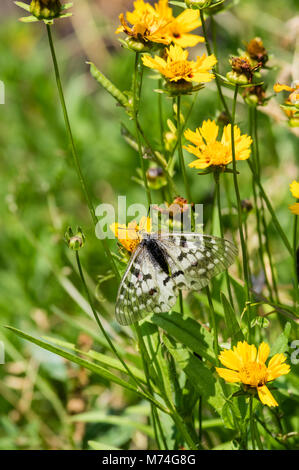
(75, 242)
(136, 46)
(180, 87)
(45, 9)
(198, 4)
(236, 78)
(155, 177)
(294, 122)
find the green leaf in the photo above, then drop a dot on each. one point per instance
(101, 446)
(23, 5)
(178, 4)
(188, 332)
(28, 19)
(281, 344)
(109, 86)
(104, 373)
(199, 374)
(117, 420)
(234, 330)
(102, 359)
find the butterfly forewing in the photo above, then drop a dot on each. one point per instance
(142, 289)
(192, 260)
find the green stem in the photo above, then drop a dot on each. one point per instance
(295, 230)
(217, 188)
(271, 210)
(145, 362)
(180, 150)
(209, 51)
(239, 207)
(213, 324)
(75, 157)
(97, 319)
(182, 161)
(136, 98)
(252, 431)
(160, 112)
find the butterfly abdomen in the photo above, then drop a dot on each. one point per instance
(156, 254)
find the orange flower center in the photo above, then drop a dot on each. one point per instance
(180, 68)
(216, 154)
(253, 374)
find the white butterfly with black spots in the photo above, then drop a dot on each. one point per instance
(164, 263)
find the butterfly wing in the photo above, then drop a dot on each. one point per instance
(143, 289)
(195, 258)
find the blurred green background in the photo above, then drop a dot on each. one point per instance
(40, 196)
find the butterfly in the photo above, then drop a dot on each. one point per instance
(162, 264)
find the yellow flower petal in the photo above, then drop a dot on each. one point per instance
(245, 351)
(209, 131)
(228, 375)
(294, 208)
(294, 188)
(266, 396)
(277, 367)
(230, 359)
(263, 353)
(194, 137)
(278, 88)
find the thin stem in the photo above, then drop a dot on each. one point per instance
(239, 207)
(160, 112)
(295, 230)
(145, 362)
(182, 161)
(217, 188)
(209, 51)
(213, 324)
(271, 210)
(136, 98)
(180, 150)
(75, 157)
(97, 319)
(252, 424)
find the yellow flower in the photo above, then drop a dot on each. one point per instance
(148, 23)
(157, 24)
(130, 236)
(294, 188)
(247, 365)
(212, 152)
(179, 29)
(176, 67)
(294, 91)
(294, 208)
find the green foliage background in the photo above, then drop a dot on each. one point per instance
(40, 196)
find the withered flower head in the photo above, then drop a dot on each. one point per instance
(255, 95)
(256, 50)
(177, 207)
(242, 66)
